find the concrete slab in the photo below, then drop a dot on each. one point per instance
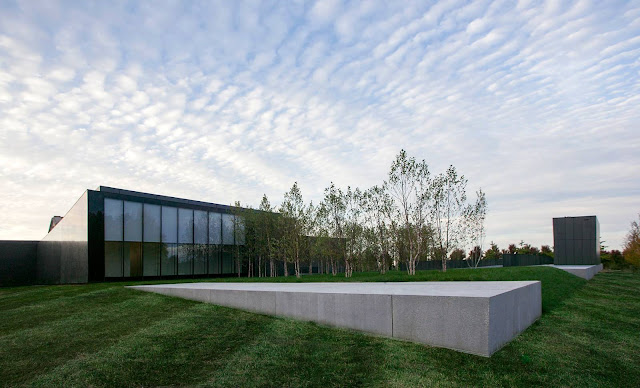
(583, 271)
(472, 317)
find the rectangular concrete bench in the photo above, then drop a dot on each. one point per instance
(584, 271)
(472, 317)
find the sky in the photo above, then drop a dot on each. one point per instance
(535, 102)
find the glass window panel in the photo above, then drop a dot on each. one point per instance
(132, 259)
(169, 256)
(200, 259)
(227, 229)
(169, 225)
(199, 226)
(239, 231)
(151, 258)
(151, 223)
(112, 220)
(112, 259)
(185, 259)
(215, 228)
(214, 259)
(185, 226)
(132, 221)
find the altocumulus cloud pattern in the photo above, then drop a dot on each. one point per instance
(535, 101)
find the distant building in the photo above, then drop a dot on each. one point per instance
(116, 234)
(54, 222)
(576, 240)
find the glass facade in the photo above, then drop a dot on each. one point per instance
(153, 240)
(132, 221)
(227, 229)
(151, 259)
(113, 220)
(152, 223)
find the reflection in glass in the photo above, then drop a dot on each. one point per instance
(112, 220)
(185, 226)
(199, 226)
(227, 260)
(151, 258)
(151, 223)
(215, 228)
(227, 229)
(169, 257)
(169, 225)
(132, 259)
(112, 259)
(239, 229)
(214, 259)
(185, 258)
(132, 221)
(200, 259)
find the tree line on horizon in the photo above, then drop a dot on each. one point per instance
(411, 216)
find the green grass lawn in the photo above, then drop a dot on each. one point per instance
(107, 335)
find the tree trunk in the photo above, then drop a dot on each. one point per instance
(286, 269)
(272, 268)
(259, 266)
(310, 267)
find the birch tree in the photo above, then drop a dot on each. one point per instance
(239, 234)
(265, 228)
(352, 200)
(474, 217)
(378, 207)
(295, 216)
(335, 207)
(447, 199)
(409, 186)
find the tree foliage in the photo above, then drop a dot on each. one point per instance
(411, 216)
(631, 250)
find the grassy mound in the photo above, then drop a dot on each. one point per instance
(107, 335)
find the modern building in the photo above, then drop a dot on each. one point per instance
(115, 234)
(576, 240)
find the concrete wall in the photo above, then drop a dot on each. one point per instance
(18, 262)
(584, 271)
(63, 253)
(472, 317)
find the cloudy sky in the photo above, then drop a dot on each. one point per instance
(537, 102)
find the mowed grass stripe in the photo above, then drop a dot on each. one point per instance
(34, 350)
(303, 354)
(35, 313)
(182, 349)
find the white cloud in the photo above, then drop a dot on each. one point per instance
(224, 102)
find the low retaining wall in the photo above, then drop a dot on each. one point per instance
(451, 264)
(517, 260)
(472, 317)
(584, 271)
(18, 262)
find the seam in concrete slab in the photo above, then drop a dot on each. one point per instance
(393, 334)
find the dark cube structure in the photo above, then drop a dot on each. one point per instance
(576, 240)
